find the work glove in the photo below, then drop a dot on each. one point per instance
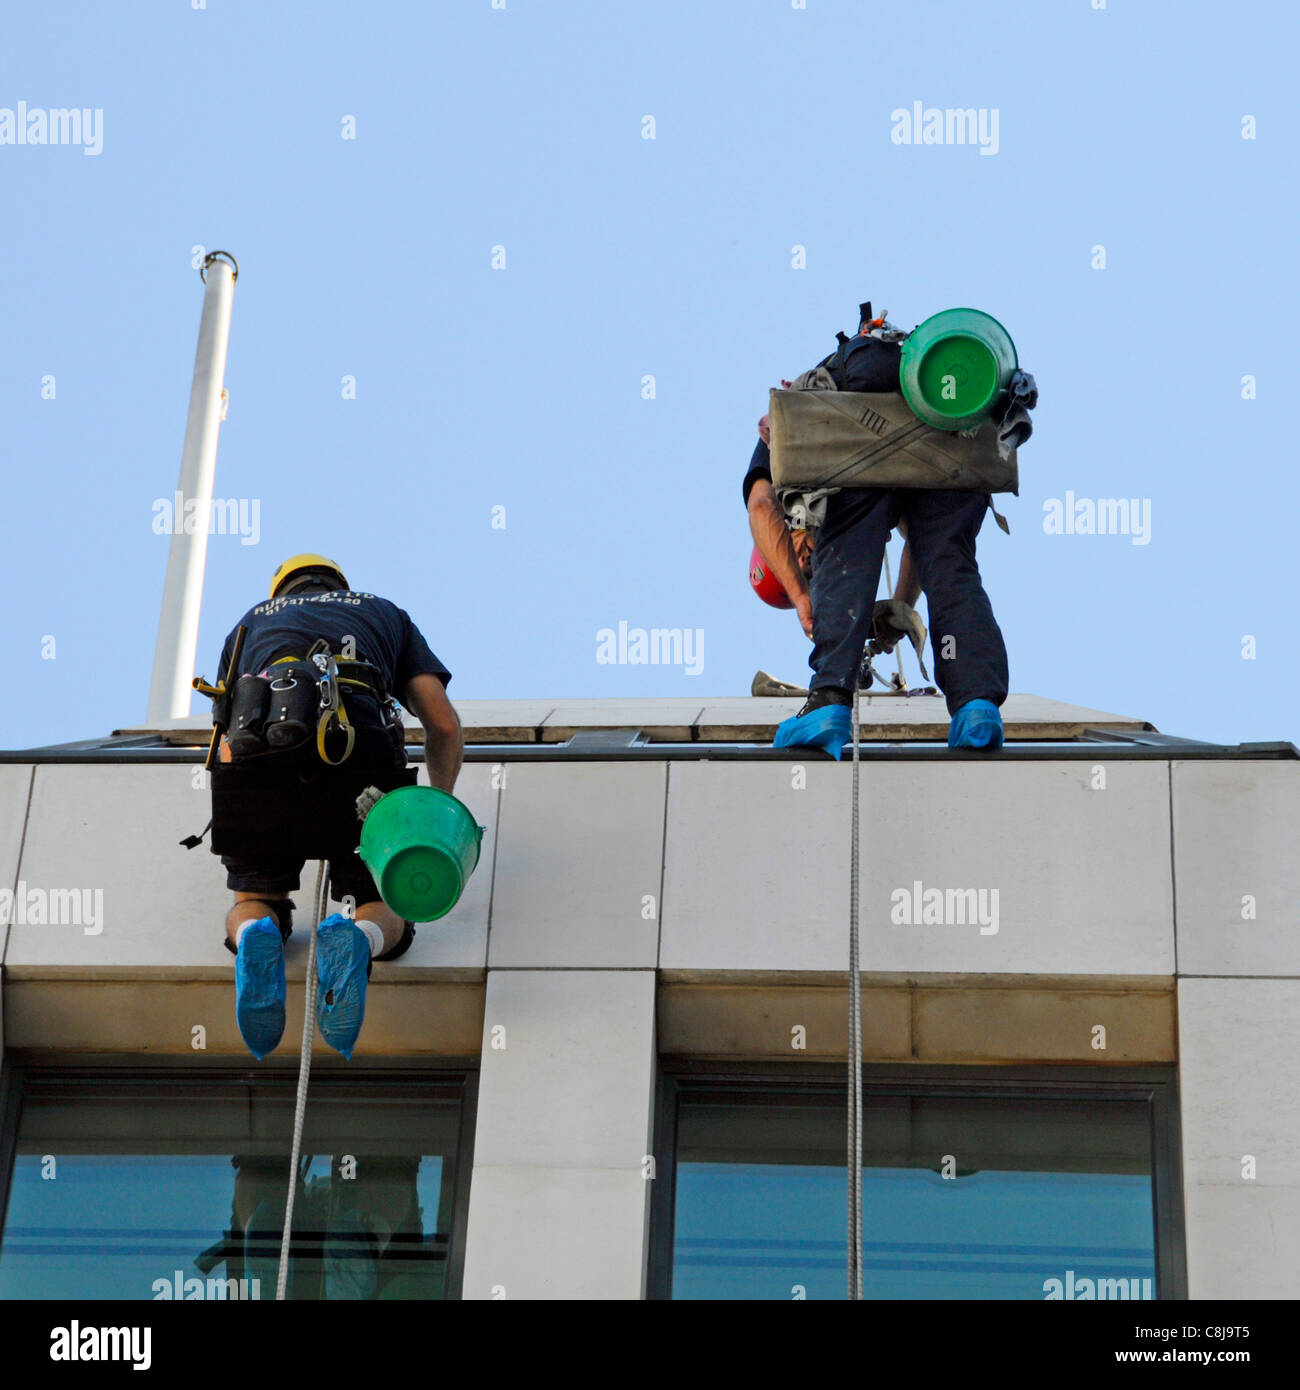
(1012, 420)
(891, 619)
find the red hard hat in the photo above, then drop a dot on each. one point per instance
(765, 584)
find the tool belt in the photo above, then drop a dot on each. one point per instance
(297, 700)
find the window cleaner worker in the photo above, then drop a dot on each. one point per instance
(835, 605)
(788, 550)
(312, 720)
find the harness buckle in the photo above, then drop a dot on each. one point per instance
(333, 716)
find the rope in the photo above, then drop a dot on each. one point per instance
(854, 1155)
(855, 1037)
(320, 900)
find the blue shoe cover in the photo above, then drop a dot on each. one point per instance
(259, 987)
(978, 724)
(830, 727)
(342, 967)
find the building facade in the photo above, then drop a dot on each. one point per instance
(617, 1068)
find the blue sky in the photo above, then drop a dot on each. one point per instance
(521, 388)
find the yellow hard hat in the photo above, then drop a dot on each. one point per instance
(295, 564)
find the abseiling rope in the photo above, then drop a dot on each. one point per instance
(855, 1039)
(319, 901)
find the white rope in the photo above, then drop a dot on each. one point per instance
(319, 901)
(854, 1155)
(855, 1038)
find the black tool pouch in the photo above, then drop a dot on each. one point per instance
(249, 706)
(294, 703)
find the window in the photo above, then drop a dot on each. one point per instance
(1025, 1188)
(130, 1186)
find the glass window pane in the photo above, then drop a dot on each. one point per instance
(131, 1190)
(963, 1198)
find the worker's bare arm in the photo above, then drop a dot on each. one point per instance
(444, 742)
(908, 587)
(772, 537)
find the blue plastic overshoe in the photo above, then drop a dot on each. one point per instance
(828, 728)
(259, 987)
(977, 724)
(342, 967)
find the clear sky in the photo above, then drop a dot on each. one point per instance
(521, 388)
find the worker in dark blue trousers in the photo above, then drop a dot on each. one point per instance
(836, 607)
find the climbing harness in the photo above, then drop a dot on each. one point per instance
(296, 697)
(320, 900)
(333, 714)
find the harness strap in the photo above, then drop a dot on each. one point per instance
(997, 515)
(331, 719)
(193, 841)
(334, 713)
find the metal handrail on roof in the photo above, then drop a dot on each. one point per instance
(632, 745)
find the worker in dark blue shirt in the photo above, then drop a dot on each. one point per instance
(833, 584)
(285, 787)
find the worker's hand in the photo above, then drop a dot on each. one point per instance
(765, 422)
(803, 607)
(883, 633)
(803, 549)
(893, 619)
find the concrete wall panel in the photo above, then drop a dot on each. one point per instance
(559, 1195)
(1235, 839)
(1239, 1077)
(580, 850)
(1075, 878)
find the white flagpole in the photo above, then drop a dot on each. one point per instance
(178, 625)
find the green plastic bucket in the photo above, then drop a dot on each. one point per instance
(954, 367)
(420, 845)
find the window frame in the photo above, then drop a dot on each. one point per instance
(459, 1076)
(1156, 1086)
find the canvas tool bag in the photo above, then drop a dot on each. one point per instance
(834, 439)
